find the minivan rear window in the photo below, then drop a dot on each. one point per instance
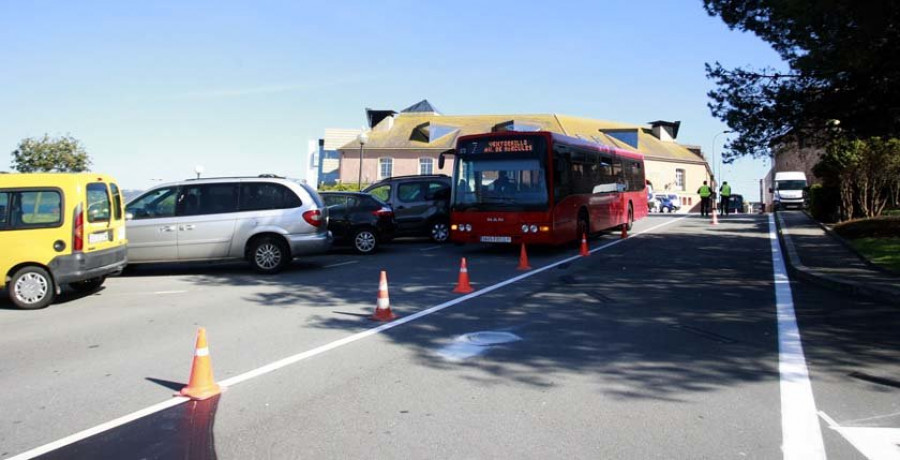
(258, 196)
(98, 203)
(117, 200)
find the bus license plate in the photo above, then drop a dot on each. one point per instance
(101, 237)
(496, 239)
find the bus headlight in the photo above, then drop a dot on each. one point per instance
(524, 228)
(533, 228)
(468, 227)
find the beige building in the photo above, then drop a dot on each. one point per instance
(409, 142)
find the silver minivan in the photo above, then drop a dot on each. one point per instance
(267, 220)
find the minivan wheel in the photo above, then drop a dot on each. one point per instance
(31, 288)
(269, 255)
(88, 285)
(364, 241)
(440, 231)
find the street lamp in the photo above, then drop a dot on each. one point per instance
(715, 166)
(362, 138)
(199, 170)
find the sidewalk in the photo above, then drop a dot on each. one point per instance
(816, 255)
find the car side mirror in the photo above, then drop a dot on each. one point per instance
(129, 216)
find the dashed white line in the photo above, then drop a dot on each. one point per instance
(800, 431)
(430, 248)
(310, 353)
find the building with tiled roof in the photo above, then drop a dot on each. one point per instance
(409, 143)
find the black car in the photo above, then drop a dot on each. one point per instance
(735, 204)
(359, 219)
(421, 204)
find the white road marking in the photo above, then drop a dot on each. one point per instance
(800, 431)
(310, 353)
(873, 443)
(342, 263)
(430, 248)
(169, 292)
(100, 428)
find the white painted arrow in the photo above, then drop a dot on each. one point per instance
(874, 443)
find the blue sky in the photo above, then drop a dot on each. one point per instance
(154, 88)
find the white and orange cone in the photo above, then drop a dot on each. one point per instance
(202, 385)
(523, 259)
(584, 246)
(462, 285)
(383, 302)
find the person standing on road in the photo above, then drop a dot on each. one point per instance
(704, 191)
(725, 192)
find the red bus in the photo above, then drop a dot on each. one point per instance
(542, 187)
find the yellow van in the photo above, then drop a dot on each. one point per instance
(58, 229)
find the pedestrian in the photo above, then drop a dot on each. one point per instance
(725, 192)
(704, 191)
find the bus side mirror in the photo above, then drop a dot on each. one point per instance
(442, 160)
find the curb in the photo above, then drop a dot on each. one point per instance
(796, 267)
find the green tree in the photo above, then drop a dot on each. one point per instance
(60, 154)
(866, 173)
(842, 61)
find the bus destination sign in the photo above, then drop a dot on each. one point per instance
(509, 146)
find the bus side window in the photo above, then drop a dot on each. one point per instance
(561, 184)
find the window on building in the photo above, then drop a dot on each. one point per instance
(679, 179)
(426, 165)
(385, 168)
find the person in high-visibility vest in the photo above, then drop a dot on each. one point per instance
(725, 192)
(704, 191)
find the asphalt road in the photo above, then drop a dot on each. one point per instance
(662, 345)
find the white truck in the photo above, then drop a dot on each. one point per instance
(787, 189)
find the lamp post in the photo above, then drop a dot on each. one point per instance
(715, 166)
(199, 170)
(362, 138)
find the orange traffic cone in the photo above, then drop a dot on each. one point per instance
(584, 246)
(383, 303)
(523, 259)
(201, 385)
(624, 231)
(462, 286)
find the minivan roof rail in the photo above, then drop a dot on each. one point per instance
(415, 176)
(264, 176)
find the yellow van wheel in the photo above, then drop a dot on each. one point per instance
(31, 288)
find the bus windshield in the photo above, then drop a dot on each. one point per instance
(500, 183)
